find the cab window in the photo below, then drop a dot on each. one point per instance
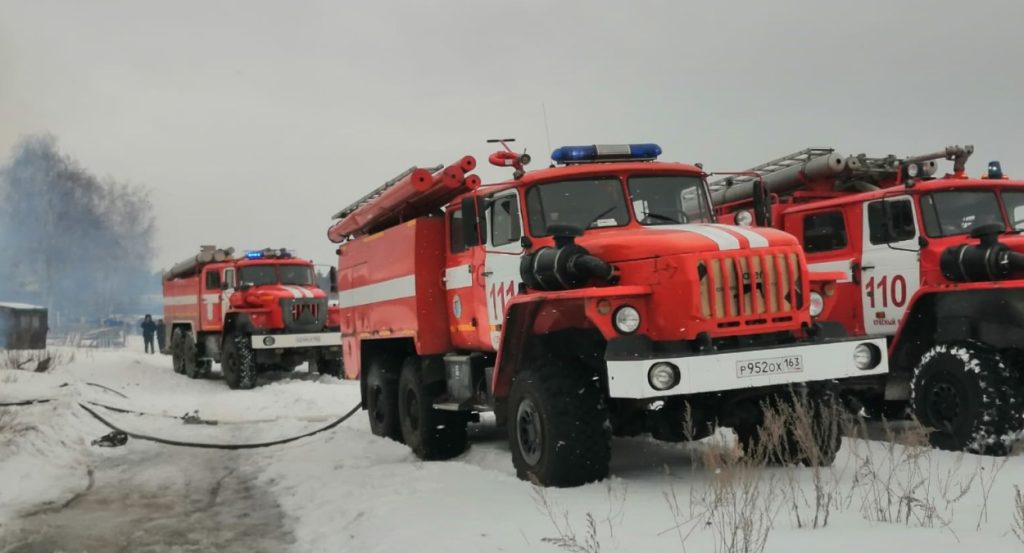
(955, 212)
(895, 226)
(229, 277)
(824, 232)
(505, 225)
(456, 241)
(212, 280)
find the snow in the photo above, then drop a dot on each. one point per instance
(347, 490)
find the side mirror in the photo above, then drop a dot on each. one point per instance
(470, 222)
(762, 207)
(333, 275)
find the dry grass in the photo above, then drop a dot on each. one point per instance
(1018, 514)
(734, 499)
(566, 537)
(39, 361)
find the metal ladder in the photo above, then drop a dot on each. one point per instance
(775, 165)
(376, 193)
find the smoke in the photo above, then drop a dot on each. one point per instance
(72, 242)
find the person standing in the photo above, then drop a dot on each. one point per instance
(148, 330)
(160, 335)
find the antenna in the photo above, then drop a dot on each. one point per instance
(547, 131)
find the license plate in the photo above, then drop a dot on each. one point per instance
(769, 366)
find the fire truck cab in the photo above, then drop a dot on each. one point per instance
(934, 265)
(259, 312)
(594, 297)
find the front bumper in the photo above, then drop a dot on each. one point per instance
(744, 368)
(292, 341)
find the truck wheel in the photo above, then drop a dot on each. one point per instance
(190, 364)
(558, 427)
(328, 365)
(382, 401)
(825, 415)
(968, 396)
(238, 362)
(433, 435)
(812, 438)
(177, 355)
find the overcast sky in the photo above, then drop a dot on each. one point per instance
(254, 121)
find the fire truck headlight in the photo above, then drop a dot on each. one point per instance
(626, 319)
(744, 218)
(268, 341)
(817, 304)
(866, 356)
(663, 376)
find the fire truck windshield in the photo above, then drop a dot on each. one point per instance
(586, 203)
(1015, 208)
(601, 202)
(296, 274)
(669, 200)
(954, 212)
(263, 275)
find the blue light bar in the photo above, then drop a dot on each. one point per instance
(254, 255)
(600, 152)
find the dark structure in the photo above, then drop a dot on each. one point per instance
(22, 326)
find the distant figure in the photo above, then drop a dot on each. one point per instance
(160, 335)
(148, 329)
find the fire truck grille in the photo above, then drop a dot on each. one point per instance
(750, 289)
(304, 315)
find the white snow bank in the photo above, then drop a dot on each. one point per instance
(43, 447)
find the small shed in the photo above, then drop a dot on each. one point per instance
(22, 326)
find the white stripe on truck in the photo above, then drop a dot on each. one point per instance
(458, 277)
(723, 239)
(394, 289)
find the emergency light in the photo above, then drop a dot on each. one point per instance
(605, 152)
(268, 253)
(995, 170)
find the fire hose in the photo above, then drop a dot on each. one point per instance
(118, 436)
(201, 445)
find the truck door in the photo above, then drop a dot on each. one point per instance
(500, 270)
(227, 288)
(460, 289)
(210, 313)
(890, 265)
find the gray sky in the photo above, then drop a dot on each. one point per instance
(253, 121)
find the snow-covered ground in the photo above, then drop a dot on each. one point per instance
(346, 490)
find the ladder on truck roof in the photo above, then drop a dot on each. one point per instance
(373, 195)
(773, 166)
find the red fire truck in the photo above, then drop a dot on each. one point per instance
(261, 311)
(932, 264)
(594, 297)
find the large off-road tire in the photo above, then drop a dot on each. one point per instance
(191, 365)
(382, 400)
(812, 435)
(177, 352)
(238, 362)
(558, 427)
(432, 435)
(969, 398)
